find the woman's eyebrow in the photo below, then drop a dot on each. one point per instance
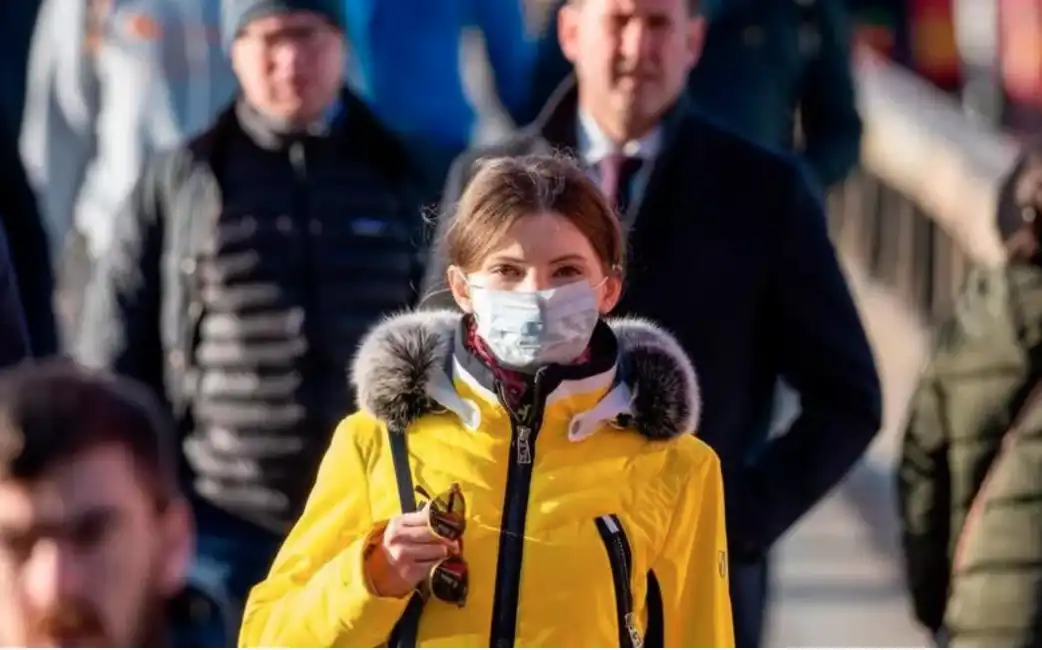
(571, 257)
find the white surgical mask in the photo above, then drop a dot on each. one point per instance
(530, 329)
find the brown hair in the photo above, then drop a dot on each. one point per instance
(54, 410)
(507, 189)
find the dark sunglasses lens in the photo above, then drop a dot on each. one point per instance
(448, 514)
(449, 581)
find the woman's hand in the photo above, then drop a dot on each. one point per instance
(407, 552)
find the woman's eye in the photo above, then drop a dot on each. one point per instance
(568, 272)
(505, 271)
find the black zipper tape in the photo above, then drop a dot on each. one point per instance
(621, 560)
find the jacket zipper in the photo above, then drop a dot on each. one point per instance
(524, 428)
(301, 218)
(620, 559)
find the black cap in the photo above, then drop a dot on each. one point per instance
(237, 14)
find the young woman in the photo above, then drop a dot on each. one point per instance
(521, 474)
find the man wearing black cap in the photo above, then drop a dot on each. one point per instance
(245, 268)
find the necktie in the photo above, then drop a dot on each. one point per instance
(617, 172)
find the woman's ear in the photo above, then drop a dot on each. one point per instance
(460, 288)
(612, 291)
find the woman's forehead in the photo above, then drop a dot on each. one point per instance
(543, 237)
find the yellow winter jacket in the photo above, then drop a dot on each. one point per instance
(594, 518)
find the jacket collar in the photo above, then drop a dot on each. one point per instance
(269, 133)
(595, 145)
(558, 122)
(410, 365)
(354, 124)
(349, 118)
(557, 127)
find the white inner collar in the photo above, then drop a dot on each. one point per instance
(595, 146)
(615, 402)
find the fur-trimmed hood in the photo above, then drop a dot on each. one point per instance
(403, 371)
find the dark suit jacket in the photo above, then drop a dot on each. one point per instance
(729, 251)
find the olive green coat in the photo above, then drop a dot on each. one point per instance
(986, 363)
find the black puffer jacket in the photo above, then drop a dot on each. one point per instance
(242, 276)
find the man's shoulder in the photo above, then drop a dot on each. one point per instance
(710, 139)
(190, 153)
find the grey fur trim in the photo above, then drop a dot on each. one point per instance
(403, 354)
(395, 361)
(666, 398)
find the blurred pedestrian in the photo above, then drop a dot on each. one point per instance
(970, 472)
(549, 439)
(769, 68)
(27, 251)
(111, 83)
(95, 537)
(247, 266)
(407, 54)
(772, 67)
(730, 252)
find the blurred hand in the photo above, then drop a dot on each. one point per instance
(406, 554)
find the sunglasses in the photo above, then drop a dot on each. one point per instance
(447, 519)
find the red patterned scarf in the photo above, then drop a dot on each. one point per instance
(515, 383)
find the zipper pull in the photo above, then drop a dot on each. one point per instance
(523, 412)
(631, 629)
(524, 446)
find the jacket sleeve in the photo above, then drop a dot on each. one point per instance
(57, 138)
(828, 106)
(510, 51)
(121, 310)
(14, 336)
(692, 570)
(923, 498)
(316, 594)
(824, 354)
(137, 107)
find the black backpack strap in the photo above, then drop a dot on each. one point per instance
(655, 635)
(402, 471)
(406, 630)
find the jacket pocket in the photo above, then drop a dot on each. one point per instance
(621, 562)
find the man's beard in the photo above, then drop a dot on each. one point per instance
(77, 624)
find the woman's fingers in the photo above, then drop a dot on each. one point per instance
(412, 549)
(421, 553)
(415, 536)
(416, 573)
(416, 519)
